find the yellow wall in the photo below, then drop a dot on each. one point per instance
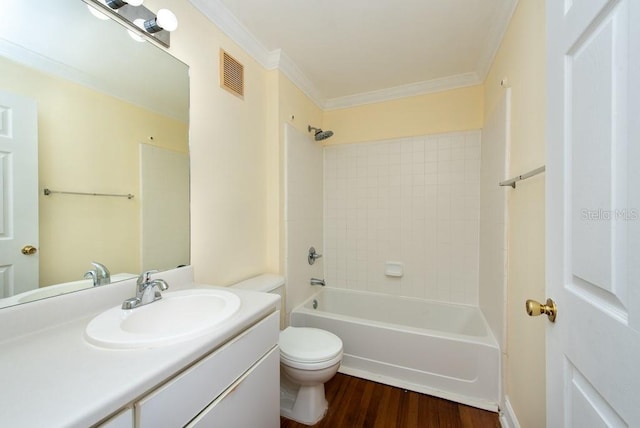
(454, 110)
(521, 58)
(228, 152)
(88, 142)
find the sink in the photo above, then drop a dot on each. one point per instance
(179, 315)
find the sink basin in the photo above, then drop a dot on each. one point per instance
(179, 315)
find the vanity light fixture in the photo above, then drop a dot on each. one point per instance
(141, 23)
(165, 20)
(95, 12)
(117, 4)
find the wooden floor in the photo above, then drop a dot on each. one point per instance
(358, 403)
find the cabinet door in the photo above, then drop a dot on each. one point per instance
(124, 419)
(179, 400)
(252, 401)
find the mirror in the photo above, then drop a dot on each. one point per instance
(111, 117)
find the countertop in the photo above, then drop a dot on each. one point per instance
(52, 377)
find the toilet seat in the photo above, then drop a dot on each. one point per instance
(309, 348)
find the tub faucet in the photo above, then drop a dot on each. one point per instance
(100, 275)
(317, 281)
(146, 291)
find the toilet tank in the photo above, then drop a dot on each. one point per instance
(267, 283)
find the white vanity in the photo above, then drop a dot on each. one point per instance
(52, 376)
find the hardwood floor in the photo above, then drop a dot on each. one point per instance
(359, 403)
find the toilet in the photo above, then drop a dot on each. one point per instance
(309, 357)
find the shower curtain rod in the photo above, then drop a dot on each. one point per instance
(512, 182)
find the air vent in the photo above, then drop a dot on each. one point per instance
(231, 74)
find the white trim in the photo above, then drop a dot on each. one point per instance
(217, 13)
(494, 39)
(235, 30)
(508, 417)
(43, 64)
(31, 59)
(410, 90)
(291, 70)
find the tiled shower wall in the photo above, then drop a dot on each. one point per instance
(413, 200)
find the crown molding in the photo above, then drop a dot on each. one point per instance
(36, 61)
(271, 60)
(494, 41)
(410, 90)
(291, 70)
(217, 13)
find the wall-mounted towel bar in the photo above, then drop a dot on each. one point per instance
(512, 182)
(48, 192)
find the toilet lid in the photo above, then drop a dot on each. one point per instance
(306, 344)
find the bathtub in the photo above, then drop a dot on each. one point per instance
(439, 349)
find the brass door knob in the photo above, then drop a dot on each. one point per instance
(534, 309)
(29, 250)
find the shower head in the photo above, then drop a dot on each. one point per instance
(319, 134)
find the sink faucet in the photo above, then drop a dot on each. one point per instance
(316, 281)
(100, 275)
(146, 291)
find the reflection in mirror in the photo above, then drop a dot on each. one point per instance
(85, 108)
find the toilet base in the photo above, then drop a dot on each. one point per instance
(302, 403)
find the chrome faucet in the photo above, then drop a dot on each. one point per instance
(317, 281)
(100, 275)
(146, 291)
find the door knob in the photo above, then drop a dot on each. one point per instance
(534, 309)
(29, 250)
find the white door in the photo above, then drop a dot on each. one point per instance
(593, 213)
(18, 194)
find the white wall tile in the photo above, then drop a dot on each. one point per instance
(412, 200)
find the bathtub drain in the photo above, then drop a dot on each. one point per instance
(315, 304)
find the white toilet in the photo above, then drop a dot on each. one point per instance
(309, 357)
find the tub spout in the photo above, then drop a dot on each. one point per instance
(317, 281)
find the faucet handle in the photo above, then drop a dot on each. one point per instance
(91, 274)
(146, 276)
(101, 270)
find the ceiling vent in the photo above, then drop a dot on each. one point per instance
(231, 74)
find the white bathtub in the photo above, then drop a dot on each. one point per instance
(434, 348)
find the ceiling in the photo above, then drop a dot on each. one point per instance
(352, 52)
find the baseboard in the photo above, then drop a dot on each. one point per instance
(508, 417)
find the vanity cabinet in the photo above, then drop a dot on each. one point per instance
(124, 419)
(249, 402)
(237, 385)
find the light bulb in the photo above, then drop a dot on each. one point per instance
(117, 4)
(167, 20)
(135, 36)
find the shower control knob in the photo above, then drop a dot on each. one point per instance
(311, 258)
